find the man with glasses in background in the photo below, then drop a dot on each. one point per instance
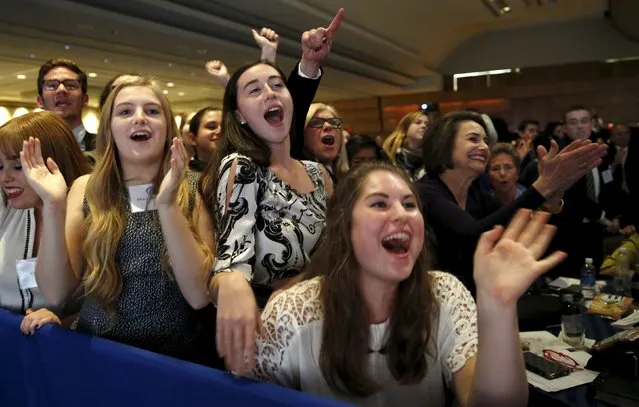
(62, 89)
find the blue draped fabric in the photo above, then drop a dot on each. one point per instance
(57, 367)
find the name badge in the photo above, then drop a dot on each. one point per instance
(141, 199)
(606, 176)
(26, 273)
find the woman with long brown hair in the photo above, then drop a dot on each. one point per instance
(268, 207)
(131, 234)
(22, 210)
(370, 324)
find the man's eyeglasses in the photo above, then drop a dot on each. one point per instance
(318, 122)
(54, 84)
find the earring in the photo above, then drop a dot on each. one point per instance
(242, 122)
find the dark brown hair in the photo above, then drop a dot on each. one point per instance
(575, 108)
(66, 63)
(440, 140)
(507, 149)
(56, 141)
(235, 138)
(346, 334)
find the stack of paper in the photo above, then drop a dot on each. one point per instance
(539, 340)
(628, 321)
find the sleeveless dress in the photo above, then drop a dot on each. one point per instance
(152, 312)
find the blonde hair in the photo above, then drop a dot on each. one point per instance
(56, 141)
(340, 165)
(106, 197)
(396, 139)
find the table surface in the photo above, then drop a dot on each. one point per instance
(597, 328)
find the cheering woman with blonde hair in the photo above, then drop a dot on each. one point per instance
(404, 144)
(131, 234)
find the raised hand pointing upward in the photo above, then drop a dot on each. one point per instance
(316, 45)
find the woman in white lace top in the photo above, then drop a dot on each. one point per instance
(369, 325)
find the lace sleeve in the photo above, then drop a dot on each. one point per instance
(280, 348)
(236, 243)
(457, 335)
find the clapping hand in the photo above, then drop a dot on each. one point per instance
(559, 170)
(218, 70)
(46, 180)
(508, 261)
(268, 41)
(167, 194)
(316, 45)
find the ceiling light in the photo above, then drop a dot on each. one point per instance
(170, 84)
(67, 47)
(93, 75)
(106, 60)
(170, 65)
(497, 7)
(32, 56)
(21, 76)
(181, 94)
(166, 92)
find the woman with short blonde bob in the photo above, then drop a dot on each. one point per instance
(371, 325)
(323, 140)
(131, 239)
(21, 209)
(404, 144)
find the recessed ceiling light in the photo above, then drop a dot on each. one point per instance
(67, 47)
(21, 76)
(506, 9)
(106, 60)
(170, 84)
(166, 92)
(32, 56)
(181, 94)
(93, 75)
(170, 64)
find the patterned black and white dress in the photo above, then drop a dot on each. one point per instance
(269, 230)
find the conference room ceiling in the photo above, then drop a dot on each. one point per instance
(384, 47)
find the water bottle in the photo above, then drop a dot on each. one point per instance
(622, 280)
(588, 280)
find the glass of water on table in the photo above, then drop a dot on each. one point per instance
(573, 324)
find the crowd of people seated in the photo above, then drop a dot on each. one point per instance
(263, 238)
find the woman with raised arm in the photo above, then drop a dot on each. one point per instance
(370, 324)
(268, 206)
(458, 211)
(131, 234)
(21, 211)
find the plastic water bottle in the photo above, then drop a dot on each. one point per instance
(588, 280)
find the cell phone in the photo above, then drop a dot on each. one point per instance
(545, 368)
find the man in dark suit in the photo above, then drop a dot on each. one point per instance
(587, 214)
(62, 89)
(631, 172)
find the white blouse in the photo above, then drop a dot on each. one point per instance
(288, 352)
(17, 236)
